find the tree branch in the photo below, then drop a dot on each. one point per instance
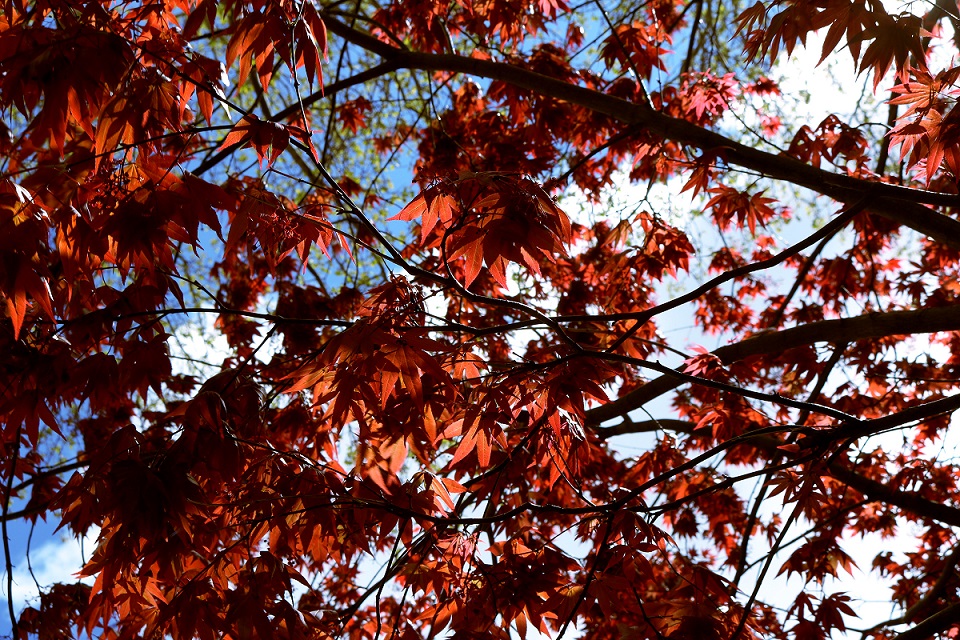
(871, 325)
(364, 76)
(908, 501)
(853, 431)
(4, 516)
(934, 624)
(838, 222)
(938, 588)
(629, 426)
(900, 204)
(928, 599)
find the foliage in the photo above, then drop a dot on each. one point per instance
(418, 422)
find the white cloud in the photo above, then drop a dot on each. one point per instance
(57, 560)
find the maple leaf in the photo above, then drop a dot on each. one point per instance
(895, 39)
(269, 139)
(353, 113)
(728, 203)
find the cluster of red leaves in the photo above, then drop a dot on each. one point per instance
(492, 219)
(638, 47)
(833, 141)
(892, 39)
(928, 130)
(386, 454)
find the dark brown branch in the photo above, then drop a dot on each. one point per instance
(646, 426)
(852, 431)
(691, 42)
(798, 281)
(37, 509)
(929, 599)
(938, 588)
(871, 325)
(7, 560)
(52, 471)
(934, 624)
(681, 377)
(901, 204)
(839, 221)
(364, 76)
(908, 501)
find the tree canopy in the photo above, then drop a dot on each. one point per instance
(359, 320)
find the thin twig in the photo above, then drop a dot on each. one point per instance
(14, 457)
